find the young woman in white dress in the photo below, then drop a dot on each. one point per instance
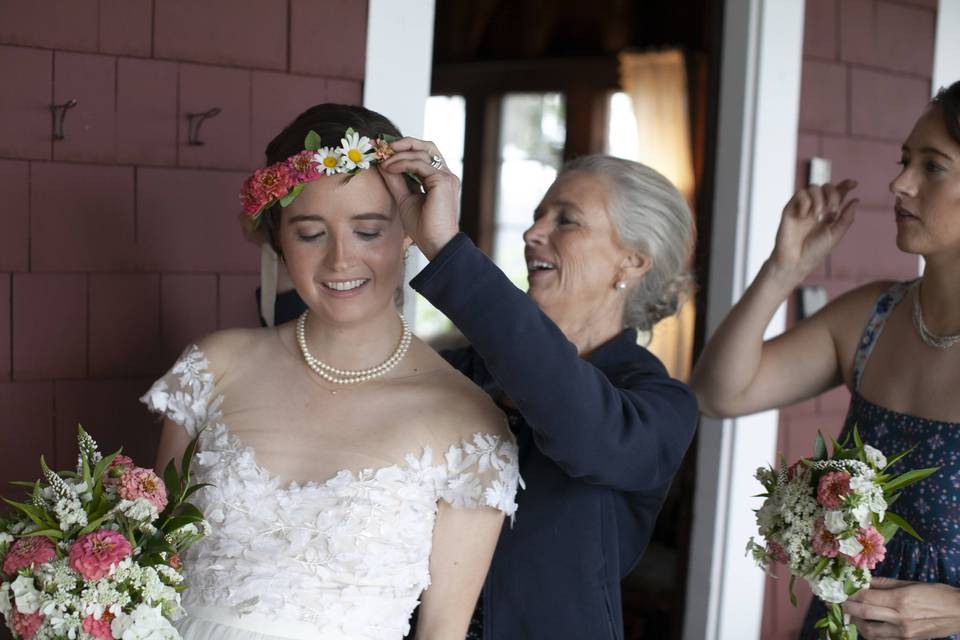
(340, 499)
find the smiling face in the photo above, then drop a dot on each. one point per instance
(343, 245)
(928, 189)
(574, 256)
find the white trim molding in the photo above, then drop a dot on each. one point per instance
(946, 53)
(396, 83)
(756, 159)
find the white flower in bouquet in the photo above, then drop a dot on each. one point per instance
(57, 574)
(830, 589)
(143, 623)
(5, 599)
(25, 594)
(140, 510)
(5, 540)
(875, 457)
(834, 521)
(850, 546)
(70, 513)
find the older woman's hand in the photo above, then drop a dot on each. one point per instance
(901, 610)
(429, 219)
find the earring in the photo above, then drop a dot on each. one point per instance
(621, 285)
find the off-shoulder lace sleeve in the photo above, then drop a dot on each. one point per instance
(483, 472)
(185, 393)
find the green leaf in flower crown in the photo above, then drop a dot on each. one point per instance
(291, 196)
(819, 448)
(903, 524)
(793, 596)
(312, 141)
(349, 132)
(386, 137)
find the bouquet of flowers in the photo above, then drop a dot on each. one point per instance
(826, 519)
(95, 552)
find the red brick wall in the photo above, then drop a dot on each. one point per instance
(119, 244)
(866, 77)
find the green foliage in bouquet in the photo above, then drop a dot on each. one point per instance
(153, 542)
(826, 517)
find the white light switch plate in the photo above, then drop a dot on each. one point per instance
(819, 171)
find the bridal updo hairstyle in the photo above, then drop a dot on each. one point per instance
(651, 217)
(330, 121)
(948, 100)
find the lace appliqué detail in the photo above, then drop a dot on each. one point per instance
(349, 555)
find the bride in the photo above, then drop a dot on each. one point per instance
(352, 468)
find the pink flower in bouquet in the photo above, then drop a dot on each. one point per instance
(175, 562)
(143, 483)
(777, 552)
(28, 552)
(824, 543)
(121, 461)
(832, 488)
(25, 625)
(874, 550)
(93, 555)
(99, 628)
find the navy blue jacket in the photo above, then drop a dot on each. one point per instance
(600, 440)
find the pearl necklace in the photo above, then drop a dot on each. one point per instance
(348, 376)
(929, 338)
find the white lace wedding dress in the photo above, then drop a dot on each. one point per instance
(342, 559)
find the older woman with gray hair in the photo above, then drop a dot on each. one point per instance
(601, 426)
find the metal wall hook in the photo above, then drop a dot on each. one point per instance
(59, 112)
(194, 120)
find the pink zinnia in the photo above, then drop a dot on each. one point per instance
(777, 552)
(304, 167)
(25, 625)
(143, 483)
(273, 181)
(251, 200)
(824, 543)
(874, 550)
(832, 488)
(28, 552)
(99, 628)
(122, 461)
(94, 554)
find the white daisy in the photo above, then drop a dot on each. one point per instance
(330, 160)
(357, 151)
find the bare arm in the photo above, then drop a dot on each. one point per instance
(738, 373)
(463, 545)
(173, 442)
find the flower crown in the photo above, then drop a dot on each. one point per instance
(283, 181)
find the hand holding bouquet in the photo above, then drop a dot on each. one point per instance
(826, 519)
(95, 553)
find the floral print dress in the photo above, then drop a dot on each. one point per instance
(931, 506)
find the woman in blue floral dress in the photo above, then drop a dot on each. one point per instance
(894, 345)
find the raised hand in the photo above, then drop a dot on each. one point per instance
(812, 224)
(429, 219)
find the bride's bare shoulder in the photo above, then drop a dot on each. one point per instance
(453, 402)
(228, 348)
